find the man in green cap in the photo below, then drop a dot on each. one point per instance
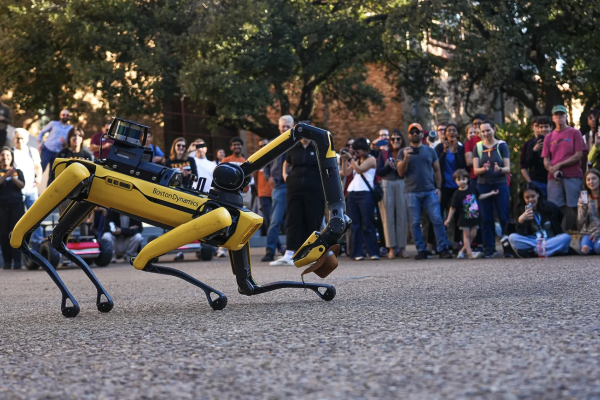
(563, 150)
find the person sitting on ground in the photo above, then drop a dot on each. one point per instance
(588, 221)
(540, 220)
(464, 200)
(124, 233)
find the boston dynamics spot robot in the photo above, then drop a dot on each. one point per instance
(127, 181)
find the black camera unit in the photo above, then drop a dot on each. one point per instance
(128, 154)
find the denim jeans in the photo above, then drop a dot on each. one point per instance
(543, 188)
(428, 200)
(31, 196)
(361, 209)
(500, 203)
(47, 157)
(594, 247)
(556, 245)
(278, 195)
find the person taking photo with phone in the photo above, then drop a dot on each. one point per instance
(491, 164)
(11, 206)
(538, 230)
(588, 215)
(420, 167)
(179, 159)
(394, 213)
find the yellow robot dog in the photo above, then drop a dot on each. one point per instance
(128, 182)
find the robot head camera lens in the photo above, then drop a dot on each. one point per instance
(127, 131)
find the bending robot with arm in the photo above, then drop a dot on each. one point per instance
(128, 182)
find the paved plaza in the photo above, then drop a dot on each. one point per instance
(401, 329)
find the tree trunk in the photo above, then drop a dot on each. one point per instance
(552, 97)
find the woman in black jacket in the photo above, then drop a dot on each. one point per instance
(451, 155)
(12, 207)
(539, 227)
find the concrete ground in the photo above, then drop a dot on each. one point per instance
(405, 329)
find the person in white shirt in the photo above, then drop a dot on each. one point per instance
(28, 160)
(204, 166)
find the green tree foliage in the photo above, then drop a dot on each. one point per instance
(536, 52)
(252, 55)
(130, 52)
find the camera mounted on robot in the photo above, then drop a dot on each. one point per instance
(129, 154)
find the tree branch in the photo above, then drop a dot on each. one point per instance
(523, 98)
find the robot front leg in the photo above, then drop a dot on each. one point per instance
(195, 229)
(73, 216)
(70, 183)
(242, 268)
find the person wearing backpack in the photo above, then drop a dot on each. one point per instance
(491, 164)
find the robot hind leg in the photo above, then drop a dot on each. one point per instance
(69, 220)
(200, 227)
(242, 268)
(74, 179)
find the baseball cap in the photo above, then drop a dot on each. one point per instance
(559, 109)
(415, 125)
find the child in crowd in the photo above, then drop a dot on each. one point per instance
(588, 220)
(469, 218)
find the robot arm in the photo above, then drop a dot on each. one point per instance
(319, 246)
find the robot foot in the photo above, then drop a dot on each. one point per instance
(324, 291)
(103, 306)
(68, 311)
(217, 303)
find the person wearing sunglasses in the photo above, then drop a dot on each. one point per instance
(56, 140)
(394, 213)
(204, 166)
(179, 159)
(420, 167)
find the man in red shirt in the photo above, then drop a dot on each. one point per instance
(106, 142)
(562, 153)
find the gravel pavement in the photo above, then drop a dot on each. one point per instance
(398, 329)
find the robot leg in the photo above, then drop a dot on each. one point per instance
(70, 183)
(69, 220)
(242, 268)
(195, 229)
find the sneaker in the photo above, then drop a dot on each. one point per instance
(374, 258)
(17, 266)
(421, 255)
(358, 258)
(461, 255)
(222, 252)
(445, 254)
(489, 254)
(476, 254)
(178, 256)
(284, 261)
(268, 256)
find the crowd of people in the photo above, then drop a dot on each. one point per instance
(426, 185)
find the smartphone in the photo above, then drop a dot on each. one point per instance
(187, 168)
(200, 145)
(112, 226)
(584, 196)
(391, 159)
(528, 207)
